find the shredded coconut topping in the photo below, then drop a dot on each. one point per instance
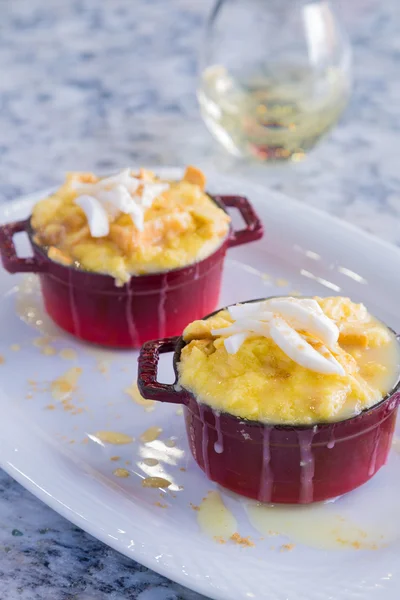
(103, 201)
(289, 322)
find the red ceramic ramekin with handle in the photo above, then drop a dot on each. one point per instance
(275, 463)
(91, 307)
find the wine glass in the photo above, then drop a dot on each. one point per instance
(275, 76)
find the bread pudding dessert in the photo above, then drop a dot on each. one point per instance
(129, 223)
(294, 361)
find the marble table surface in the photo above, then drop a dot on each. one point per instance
(98, 85)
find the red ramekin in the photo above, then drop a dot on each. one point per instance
(91, 307)
(275, 463)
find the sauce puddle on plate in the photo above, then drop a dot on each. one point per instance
(214, 518)
(150, 434)
(150, 462)
(68, 354)
(113, 437)
(30, 307)
(63, 387)
(134, 394)
(121, 472)
(155, 482)
(317, 526)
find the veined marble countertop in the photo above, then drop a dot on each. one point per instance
(97, 85)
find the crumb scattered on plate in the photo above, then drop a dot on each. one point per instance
(39, 342)
(103, 366)
(68, 354)
(241, 541)
(281, 282)
(48, 351)
(287, 547)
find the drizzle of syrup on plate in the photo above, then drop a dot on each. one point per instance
(316, 525)
(113, 437)
(214, 518)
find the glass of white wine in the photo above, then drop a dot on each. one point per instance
(275, 76)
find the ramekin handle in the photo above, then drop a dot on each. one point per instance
(11, 261)
(149, 387)
(254, 229)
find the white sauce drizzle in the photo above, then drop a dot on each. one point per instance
(74, 311)
(130, 321)
(204, 441)
(219, 444)
(267, 477)
(307, 466)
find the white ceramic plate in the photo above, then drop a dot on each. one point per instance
(48, 449)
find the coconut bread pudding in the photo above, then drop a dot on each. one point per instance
(129, 223)
(296, 361)
(286, 400)
(131, 257)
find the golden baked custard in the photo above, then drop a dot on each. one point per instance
(129, 224)
(290, 361)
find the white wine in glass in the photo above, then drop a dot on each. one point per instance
(274, 86)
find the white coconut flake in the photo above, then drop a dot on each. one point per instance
(300, 351)
(240, 311)
(244, 325)
(151, 191)
(123, 178)
(233, 342)
(96, 215)
(289, 322)
(309, 317)
(116, 200)
(115, 195)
